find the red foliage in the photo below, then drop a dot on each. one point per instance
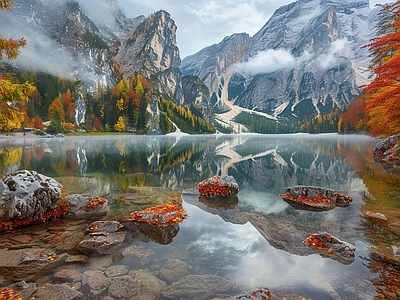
(161, 215)
(9, 294)
(314, 241)
(58, 212)
(97, 202)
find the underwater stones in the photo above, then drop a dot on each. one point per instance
(329, 246)
(200, 287)
(314, 198)
(27, 194)
(82, 207)
(220, 186)
(27, 264)
(95, 282)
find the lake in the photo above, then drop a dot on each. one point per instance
(255, 239)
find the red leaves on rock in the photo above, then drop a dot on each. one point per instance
(9, 294)
(97, 202)
(58, 212)
(320, 244)
(221, 186)
(161, 215)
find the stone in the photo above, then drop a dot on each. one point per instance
(104, 243)
(314, 198)
(67, 275)
(27, 194)
(118, 270)
(77, 259)
(136, 255)
(24, 289)
(95, 282)
(56, 291)
(104, 226)
(124, 287)
(150, 286)
(82, 207)
(388, 149)
(27, 264)
(199, 287)
(173, 270)
(220, 186)
(330, 246)
(375, 216)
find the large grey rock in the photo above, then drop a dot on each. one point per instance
(102, 244)
(27, 194)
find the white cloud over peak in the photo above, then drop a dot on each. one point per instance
(268, 61)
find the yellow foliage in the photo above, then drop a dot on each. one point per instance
(120, 125)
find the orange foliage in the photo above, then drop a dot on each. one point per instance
(97, 202)
(9, 294)
(58, 212)
(161, 215)
(97, 124)
(38, 122)
(354, 115)
(383, 106)
(314, 241)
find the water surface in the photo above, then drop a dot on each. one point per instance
(254, 239)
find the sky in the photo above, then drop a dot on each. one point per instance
(202, 23)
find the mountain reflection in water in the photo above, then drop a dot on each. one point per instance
(256, 238)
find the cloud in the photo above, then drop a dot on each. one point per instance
(268, 61)
(340, 47)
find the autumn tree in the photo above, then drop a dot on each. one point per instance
(383, 105)
(10, 93)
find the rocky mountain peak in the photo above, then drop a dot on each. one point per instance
(151, 49)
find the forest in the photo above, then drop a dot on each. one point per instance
(37, 100)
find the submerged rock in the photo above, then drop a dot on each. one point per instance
(199, 287)
(27, 195)
(220, 186)
(330, 246)
(27, 264)
(314, 198)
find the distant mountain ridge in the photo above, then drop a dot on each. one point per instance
(305, 61)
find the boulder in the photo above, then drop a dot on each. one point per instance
(331, 247)
(387, 149)
(124, 287)
(56, 291)
(220, 186)
(27, 195)
(82, 207)
(314, 198)
(159, 223)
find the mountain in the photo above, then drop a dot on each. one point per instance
(305, 61)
